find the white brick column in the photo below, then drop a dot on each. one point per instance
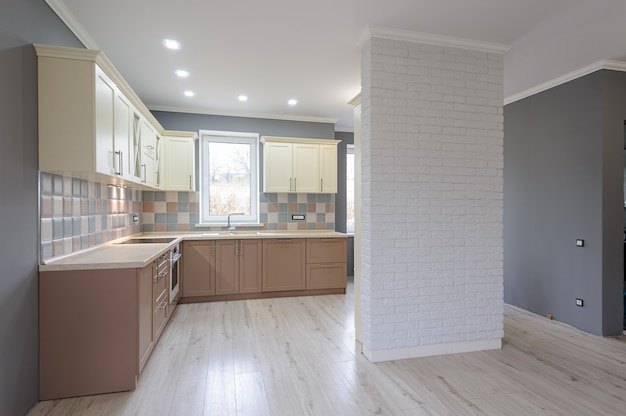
(432, 199)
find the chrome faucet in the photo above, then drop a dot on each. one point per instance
(232, 227)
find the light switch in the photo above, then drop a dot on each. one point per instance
(580, 242)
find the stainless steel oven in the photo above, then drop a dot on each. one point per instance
(175, 255)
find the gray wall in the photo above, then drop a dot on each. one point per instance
(22, 22)
(562, 181)
(340, 200)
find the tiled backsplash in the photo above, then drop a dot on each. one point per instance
(179, 211)
(78, 214)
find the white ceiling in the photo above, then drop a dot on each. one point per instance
(273, 50)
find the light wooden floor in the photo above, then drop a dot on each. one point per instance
(297, 356)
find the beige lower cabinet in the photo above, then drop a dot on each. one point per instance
(198, 266)
(96, 329)
(283, 264)
(326, 260)
(250, 266)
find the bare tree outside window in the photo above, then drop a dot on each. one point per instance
(229, 176)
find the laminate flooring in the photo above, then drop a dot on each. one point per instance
(297, 356)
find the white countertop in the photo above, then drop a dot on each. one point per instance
(113, 255)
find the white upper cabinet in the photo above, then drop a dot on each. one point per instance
(104, 123)
(91, 124)
(328, 168)
(292, 165)
(178, 164)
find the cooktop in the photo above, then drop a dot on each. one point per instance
(148, 240)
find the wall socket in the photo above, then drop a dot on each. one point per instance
(579, 302)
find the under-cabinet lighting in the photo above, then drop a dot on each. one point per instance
(293, 101)
(189, 93)
(171, 44)
(182, 73)
(111, 185)
(243, 98)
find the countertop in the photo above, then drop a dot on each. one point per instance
(113, 255)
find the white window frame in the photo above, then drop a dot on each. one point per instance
(208, 136)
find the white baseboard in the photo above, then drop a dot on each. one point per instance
(431, 350)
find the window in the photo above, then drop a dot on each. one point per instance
(228, 177)
(350, 188)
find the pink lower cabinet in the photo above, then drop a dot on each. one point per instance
(95, 330)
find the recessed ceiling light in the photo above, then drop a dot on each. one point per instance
(189, 93)
(243, 98)
(292, 102)
(182, 73)
(171, 44)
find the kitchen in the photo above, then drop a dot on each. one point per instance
(21, 166)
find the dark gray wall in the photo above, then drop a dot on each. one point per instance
(22, 22)
(562, 181)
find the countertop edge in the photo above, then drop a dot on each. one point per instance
(76, 261)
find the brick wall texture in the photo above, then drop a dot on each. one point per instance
(432, 196)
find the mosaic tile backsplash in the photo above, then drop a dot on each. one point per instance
(180, 211)
(77, 214)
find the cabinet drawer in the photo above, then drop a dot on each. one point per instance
(326, 250)
(326, 276)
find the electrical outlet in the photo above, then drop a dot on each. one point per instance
(579, 302)
(298, 217)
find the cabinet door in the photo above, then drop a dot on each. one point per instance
(227, 267)
(148, 154)
(250, 266)
(305, 168)
(328, 168)
(105, 97)
(198, 261)
(283, 264)
(277, 163)
(179, 164)
(122, 157)
(145, 302)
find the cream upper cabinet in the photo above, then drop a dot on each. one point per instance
(292, 165)
(178, 162)
(122, 134)
(104, 118)
(91, 123)
(305, 167)
(328, 168)
(149, 155)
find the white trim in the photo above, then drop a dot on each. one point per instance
(61, 10)
(431, 350)
(344, 129)
(288, 117)
(429, 38)
(579, 73)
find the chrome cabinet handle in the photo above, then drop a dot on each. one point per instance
(236, 247)
(145, 174)
(240, 248)
(321, 184)
(282, 240)
(290, 183)
(190, 188)
(120, 163)
(295, 184)
(163, 305)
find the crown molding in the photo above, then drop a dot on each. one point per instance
(287, 117)
(429, 38)
(72, 23)
(596, 66)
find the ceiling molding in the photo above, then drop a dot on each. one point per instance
(596, 66)
(431, 39)
(286, 117)
(72, 23)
